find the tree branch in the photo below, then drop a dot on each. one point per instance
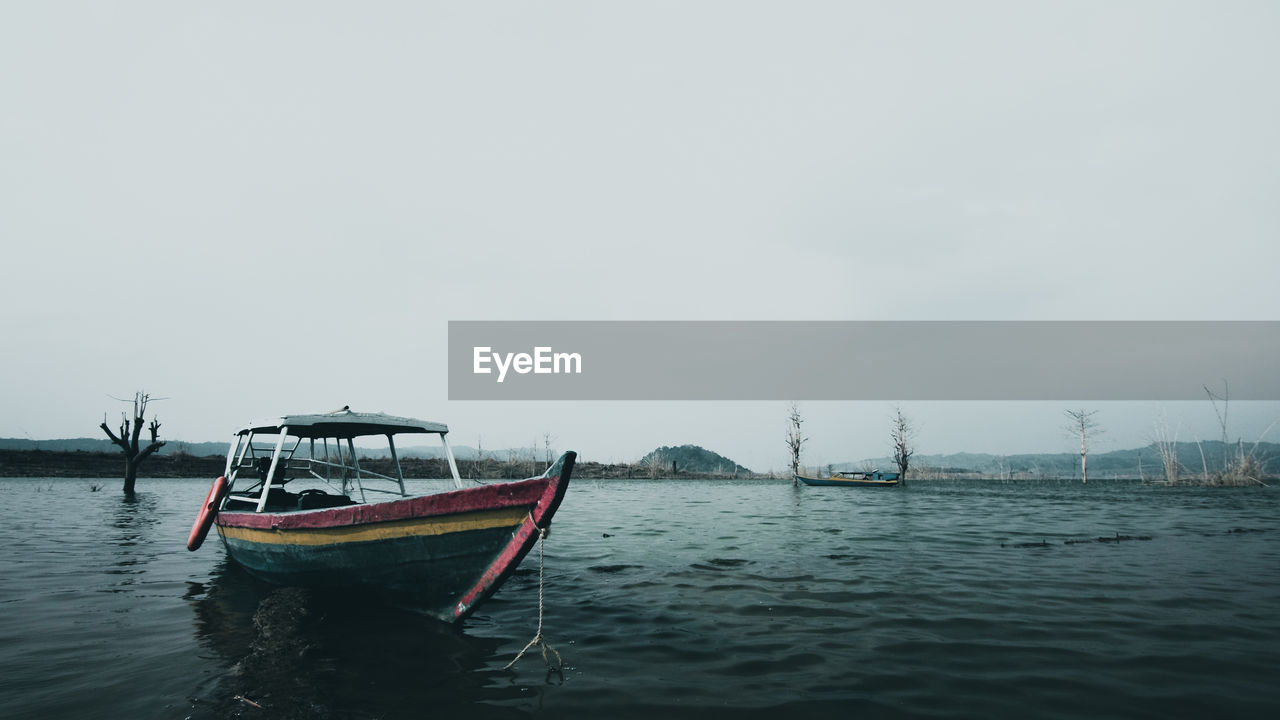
(154, 446)
(139, 408)
(114, 439)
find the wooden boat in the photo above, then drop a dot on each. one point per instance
(447, 551)
(872, 478)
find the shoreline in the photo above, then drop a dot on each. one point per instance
(84, 464)
(107, 466)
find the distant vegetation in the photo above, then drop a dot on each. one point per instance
(1134, 463)
(60, 458)
(87, 457)
(205, 449)
(103, 445)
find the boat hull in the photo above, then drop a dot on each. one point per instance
(872, 480)
(448, 551)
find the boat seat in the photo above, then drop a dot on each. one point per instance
(281, 499)
(314, 499)
(242, 499)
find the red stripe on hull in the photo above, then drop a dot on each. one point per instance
(497, 573)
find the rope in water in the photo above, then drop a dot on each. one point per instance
(537, 637)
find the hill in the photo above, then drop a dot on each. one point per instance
(690, 459)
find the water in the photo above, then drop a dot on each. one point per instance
(675, 599)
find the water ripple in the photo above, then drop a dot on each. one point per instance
(680, 599)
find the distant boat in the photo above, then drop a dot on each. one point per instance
(451, 550)
(873, 478)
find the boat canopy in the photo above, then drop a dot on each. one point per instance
(343, 424)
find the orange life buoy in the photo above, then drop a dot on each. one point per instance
(204, 519)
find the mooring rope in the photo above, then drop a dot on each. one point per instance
(537, 637)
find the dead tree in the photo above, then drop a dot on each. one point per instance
(129, 437)
(1222, 417)
(654, 463)
(1082, 424)
(546, 444)
(902, 436)
(795, 439)
(1168, 448)
(1244, 468)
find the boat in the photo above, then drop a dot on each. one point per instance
(296, 507)
(870, 478)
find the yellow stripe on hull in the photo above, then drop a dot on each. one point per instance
(462, 522)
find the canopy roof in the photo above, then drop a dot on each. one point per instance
(343, 424)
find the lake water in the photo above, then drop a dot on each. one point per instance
(676, 599)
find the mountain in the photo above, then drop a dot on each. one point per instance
(691, 458)
(1134, 461)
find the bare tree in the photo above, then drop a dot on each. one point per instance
(1222, 418)
(129, 438)
(1168, 448)
(546, 444)
(902, 435)
(654, 463)
(1204, 463)
(1082, 424)
(795, 439)
(1244, 468)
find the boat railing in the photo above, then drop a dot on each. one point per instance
(337, 467)
(308, 464)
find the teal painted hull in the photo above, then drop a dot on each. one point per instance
(430, 571)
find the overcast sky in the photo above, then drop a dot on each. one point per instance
(267, 207)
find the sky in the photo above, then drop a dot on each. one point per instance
(251, 209)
